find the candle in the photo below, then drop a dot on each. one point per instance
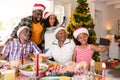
(37, 65)
(103, 71)
(22, 61)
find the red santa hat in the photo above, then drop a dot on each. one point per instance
(39, 7)
(59, 27)
(20, 29)
(80, 30)
(47, 14)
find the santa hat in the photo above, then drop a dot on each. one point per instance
(80, 30)
(59, 27)
(47, 14)
(39, 6)
(20, 29)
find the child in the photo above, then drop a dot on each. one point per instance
(50, 25)
(85, 51)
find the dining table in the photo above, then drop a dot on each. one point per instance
(110, 74)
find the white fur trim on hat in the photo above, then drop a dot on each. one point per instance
(20, 29)
(80, 30)
(47, 14)
(39, 7)
(58, 29)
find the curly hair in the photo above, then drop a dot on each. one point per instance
(47, 24)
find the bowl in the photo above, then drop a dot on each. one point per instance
(30, 69)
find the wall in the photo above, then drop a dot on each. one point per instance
(107, 15)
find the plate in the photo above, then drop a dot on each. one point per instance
(25, 70)
(50, 78)
(54, 78)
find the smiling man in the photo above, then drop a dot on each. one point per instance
(13, 50)
(35, 23)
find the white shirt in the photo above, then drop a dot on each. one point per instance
(49, 37)
(62, 54)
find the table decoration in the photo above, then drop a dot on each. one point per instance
(103, 71)
(22, 60)
(37, 65)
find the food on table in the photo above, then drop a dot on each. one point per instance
(42, 58)
(82, 64)
(2, 62)
(8, 67)
(53, 64)
(1, 75)
(32, 67)
(71, 63)
(29, 68)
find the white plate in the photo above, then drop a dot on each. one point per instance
(31, 73)
(50, 78)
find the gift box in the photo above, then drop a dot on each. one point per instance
(98, 66)
(113, 63)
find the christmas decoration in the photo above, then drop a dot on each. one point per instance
(81, 17)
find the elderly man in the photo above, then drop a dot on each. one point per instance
(13, 50)
(35, 23)
(62, 48)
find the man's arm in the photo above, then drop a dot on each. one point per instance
(5, 51)
(3, 57)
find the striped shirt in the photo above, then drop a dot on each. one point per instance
(84, 54)
(13, 49)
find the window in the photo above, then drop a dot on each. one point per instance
(59, 11)
(12, 11)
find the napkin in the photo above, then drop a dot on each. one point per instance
(64, 78)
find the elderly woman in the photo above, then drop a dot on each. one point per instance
(13, 50)
(62, 48)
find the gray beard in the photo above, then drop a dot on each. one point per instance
(25, 37)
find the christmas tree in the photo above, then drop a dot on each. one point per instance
(81, 17)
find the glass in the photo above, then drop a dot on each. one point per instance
(10, 74)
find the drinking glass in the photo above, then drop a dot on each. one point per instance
(10, 74)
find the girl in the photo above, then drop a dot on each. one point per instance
(51, 22)
(85, 51)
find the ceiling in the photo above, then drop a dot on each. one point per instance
(115, 3)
